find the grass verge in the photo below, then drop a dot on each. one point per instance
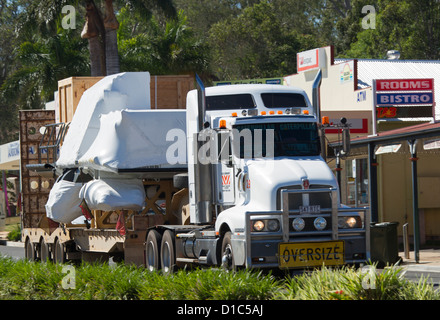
(33, 280)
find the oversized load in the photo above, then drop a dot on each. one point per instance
(131, 139)
(117, 92)
(114, 129)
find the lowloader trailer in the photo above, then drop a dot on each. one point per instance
(238, 179)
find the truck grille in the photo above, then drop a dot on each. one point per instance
(296, 199)
(317, 195)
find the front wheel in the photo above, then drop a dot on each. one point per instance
(227, 258)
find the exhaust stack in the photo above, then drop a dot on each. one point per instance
(316, 95)
(203, 167)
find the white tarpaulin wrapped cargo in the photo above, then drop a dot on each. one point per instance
(130, 139)
(114, 194)
(63, 203)
(130, 90)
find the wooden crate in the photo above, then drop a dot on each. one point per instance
(169, 92)
(70, 91)
(35, 188)
(166, 92)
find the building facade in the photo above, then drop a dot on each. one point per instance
(347, 91)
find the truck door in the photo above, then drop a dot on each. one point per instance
(225, 177)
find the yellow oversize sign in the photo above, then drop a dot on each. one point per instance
(311, 254)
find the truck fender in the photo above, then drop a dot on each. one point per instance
(238, 243)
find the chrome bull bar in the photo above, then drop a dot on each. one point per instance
(285, 234)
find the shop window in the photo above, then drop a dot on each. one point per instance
(357, 182)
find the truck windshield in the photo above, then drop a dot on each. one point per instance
(276, 140)
(231, 101)
(283, 100)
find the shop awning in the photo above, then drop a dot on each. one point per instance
(420, 131)
(10, 156)
(410, 135)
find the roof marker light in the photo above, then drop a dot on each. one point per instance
(280, 112)
(305, 111)
(234, 114)
(271, 112)
(263, 113)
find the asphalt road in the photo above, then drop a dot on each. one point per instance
(433, 277)
(14, 252)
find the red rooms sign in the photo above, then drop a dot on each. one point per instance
(404, 98)
(405, 85)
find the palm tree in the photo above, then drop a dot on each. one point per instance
(100, 28)
(101, 31)
(172, 48)
(94, 31)
(111, 25)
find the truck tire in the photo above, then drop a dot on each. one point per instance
(59, 252)
(152, 251)
(167, 253)
(29, 250)
(180, 180)
(227, 255)
(44, 251)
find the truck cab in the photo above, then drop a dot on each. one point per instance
(273, 199)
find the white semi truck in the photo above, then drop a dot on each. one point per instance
(235, 180)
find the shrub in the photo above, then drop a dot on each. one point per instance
(100, 281)
(15, 233)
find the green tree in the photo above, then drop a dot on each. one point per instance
(203, 14)
(43, 53)
(254, 44)
(410, 26)
(100, 26)
(9, 12)
(160, 49)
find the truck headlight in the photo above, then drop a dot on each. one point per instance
(349, 222)
(258, 225)
(320, 223)
(273, 225)
(298, 224)
(270, 225)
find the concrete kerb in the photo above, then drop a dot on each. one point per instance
(17, 244)
(5, 242)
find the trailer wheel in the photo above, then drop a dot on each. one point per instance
(227, 258)
(44, 251)
(29, 250)
(152, 250)
(167, 253)
(59, 254)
